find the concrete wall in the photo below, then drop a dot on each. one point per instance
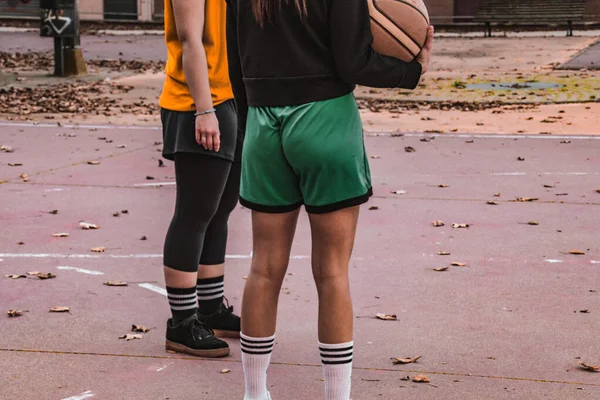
(91, 9)
(440, 8)
(592, 8)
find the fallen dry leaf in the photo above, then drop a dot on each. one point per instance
(386, 317)
(406, 378)
(15, 164)
(15, 276)
(24, 177)
(139, 329)
(400, 360)
(532, 222)
(496, 194)
(375, 157)
(597, 190)
(565, 141)
(373, 208)
(87, 225)
(456, 226)
(587, 367)
(458, 264)
(53, 212)
(409, 149)
(129, 336)
(492, 203)
(97, 249)
(124, 211)
(549, 186)
(443, 253)
(62, 234)
(6, 149)
(116, 214)
(438, 223)
(527, 199)
(15, 313)
(577, 252)
(93, 162)
(149, 177)
(225, 371)
(47, 275)
(443, 185)
(34, 273)
(115, 283)
(161, 163)
(421, 379)
(399, 191)
(60, 309)
(584, 311)
(144, 237)
(520, 159)
(121, 146)
(21, 243)
(441, 269)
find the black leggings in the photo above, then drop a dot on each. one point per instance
(207, 192)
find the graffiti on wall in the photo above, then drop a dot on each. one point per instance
(57, 23)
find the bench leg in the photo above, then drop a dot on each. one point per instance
(570, 28)
(488, 29)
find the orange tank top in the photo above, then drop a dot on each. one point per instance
(176, 95)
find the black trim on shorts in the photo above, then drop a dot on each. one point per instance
(355, 201)
(270, 209)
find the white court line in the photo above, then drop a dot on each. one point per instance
(126, 256)
(368, 133)
(75, 126)
(554, 261)
(154, 184)
(154, 288)
(85, 395)
(595, 262)
(83, 271)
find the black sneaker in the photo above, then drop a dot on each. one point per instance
(190, 336)
(223, 322)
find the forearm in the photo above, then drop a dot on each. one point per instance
(195, 68)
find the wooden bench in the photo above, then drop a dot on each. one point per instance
(527, 12)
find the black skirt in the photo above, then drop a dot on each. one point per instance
(179, 133)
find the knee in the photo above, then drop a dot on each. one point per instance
(268, 274)
(331, 280)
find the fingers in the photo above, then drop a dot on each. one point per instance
(209, 141)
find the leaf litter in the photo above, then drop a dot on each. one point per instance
(116, 283)
(588, 367)
(408, 360)
(97, 249)
(438, 223)
(15, 276)
(15, 313)
(129, 336)
(87, 226)
(441, 269)
(387, 317)
(139, 329)
(421, 379)
(60, 309)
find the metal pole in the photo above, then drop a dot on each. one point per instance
(59, 57)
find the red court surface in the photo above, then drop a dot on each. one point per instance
(506, 326)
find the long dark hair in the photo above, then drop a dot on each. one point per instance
(264, 9)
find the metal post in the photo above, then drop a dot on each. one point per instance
(59, 57)
(570, 28)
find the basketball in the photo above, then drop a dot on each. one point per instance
(399, 27)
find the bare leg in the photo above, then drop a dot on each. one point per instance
(272, 237)
(332, 240)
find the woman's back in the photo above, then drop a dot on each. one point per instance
(293, 59)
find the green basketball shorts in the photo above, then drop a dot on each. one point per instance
(311, 154)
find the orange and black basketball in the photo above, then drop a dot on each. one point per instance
(399, 27)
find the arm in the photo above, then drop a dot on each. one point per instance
(355, 59)
(189, 18)
(235, 66)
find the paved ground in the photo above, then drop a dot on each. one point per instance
(589, 59)
(507, 326)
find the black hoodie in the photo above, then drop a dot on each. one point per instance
(294, 60)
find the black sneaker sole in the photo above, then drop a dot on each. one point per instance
(226, 334)
(209, 353)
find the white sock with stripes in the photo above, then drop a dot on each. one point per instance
(256, 356)
(337, 369)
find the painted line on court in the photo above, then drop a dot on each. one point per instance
(154, 288)
(81, 270)
(118, 256)
(367, 133)
(156, 184)
(85, 395)
(556, 261)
